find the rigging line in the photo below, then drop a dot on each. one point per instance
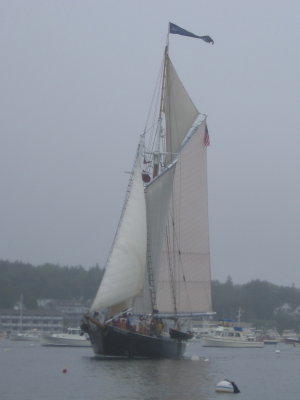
(175, 216)
(151, 131)
(173, 210)
(180, 265)
(155, 94)
(177, 237)
(180, 199)
(172, 279)
(151, 275)
(172, 254)
(163, 83)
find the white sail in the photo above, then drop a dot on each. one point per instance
(158, 194)
(185, 279)
(180, 112)
(125, 270)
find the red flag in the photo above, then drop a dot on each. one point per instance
(206, 140)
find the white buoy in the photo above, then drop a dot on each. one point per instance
(277, 351)
(227, 386)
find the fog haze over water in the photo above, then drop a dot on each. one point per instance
(76, 81)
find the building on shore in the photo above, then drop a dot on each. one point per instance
(56, 316)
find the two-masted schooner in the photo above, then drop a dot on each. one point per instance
(157, 276)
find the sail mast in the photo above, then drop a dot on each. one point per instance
(163, 81)
(157, 152)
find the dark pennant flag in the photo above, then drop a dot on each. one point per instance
(175, 29)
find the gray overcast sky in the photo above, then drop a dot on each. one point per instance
(76, 80)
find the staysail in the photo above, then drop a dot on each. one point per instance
(125, 269)
(157, 195)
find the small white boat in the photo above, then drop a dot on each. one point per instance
(73, 338)
(30, 336)
(231, 337)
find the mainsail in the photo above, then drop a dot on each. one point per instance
(180, 112)
(184, 284)
(183, 281)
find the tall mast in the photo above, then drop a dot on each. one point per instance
(159, 133)
(21, 313)
(163, 81)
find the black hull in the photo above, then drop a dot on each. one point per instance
(108, 340)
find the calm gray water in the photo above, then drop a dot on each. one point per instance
(29, 371)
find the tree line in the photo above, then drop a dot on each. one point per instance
(258, 302)
(261, 303)
(46, 281)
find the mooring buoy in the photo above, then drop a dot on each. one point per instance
(227, 386)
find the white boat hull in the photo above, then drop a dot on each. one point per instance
(24, 337)
(221, 342)
(65, 339)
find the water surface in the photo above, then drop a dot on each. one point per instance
(29, 371)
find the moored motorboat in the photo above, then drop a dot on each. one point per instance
(74, 337)
(231, 337)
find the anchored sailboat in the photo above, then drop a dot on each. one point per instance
(157, 276)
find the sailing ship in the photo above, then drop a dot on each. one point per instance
(157, 277)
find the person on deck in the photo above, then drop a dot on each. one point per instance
(130, 322)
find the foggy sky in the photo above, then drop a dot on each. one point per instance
(76, 80)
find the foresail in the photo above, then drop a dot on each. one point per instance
(185, 274)
(180, 112)
(157, 194)
(125, 269)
